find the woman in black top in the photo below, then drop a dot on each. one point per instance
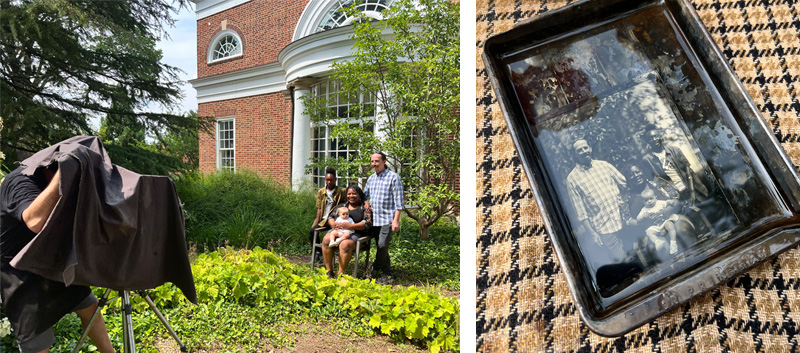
(362, 220)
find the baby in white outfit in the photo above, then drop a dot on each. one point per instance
(340, 234)
(661, 213)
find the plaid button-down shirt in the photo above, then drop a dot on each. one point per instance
(385, 194)
(595, 194)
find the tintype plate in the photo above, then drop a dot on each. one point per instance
(655, 176)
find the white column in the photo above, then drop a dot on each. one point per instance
(301, 136)
(380, 119)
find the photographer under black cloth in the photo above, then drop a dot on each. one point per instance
(34, 304)
(110, 227)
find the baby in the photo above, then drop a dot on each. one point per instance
(662, 214)
(340, 234)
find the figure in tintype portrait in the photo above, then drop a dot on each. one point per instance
(701, 199)
(595, 191)
(657, 224)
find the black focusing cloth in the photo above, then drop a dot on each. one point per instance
(111, 228)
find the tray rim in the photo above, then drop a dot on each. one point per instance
(704, 277)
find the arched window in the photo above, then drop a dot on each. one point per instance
(226, 44)
(336, 17)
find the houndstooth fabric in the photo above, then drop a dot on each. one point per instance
(523, 303)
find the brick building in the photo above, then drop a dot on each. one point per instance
(255, 60)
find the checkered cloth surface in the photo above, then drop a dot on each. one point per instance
(523, 303)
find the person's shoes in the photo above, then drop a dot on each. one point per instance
(673, 248)
(335, 243)
(384, 279)
(374, 272)
(331, 275)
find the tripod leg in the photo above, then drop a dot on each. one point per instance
(164, 321)
(127, 323)
(100, 305)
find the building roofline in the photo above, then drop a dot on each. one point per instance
(206, 8)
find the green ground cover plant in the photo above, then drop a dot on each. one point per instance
(244, 210)
(430, 262)
(238, 288)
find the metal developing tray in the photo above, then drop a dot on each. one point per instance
(655, 176)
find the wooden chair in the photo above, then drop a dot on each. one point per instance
(361, 245)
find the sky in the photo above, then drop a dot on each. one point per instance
(181, 52)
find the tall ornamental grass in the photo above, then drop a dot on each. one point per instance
(244, 210)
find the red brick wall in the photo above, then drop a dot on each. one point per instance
(265, 27)
(263, 135)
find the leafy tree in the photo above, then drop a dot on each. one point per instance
(65, 62)
(2, 156)
(122, 128)
(172, 152)
(182, 144)
(409, 63)
(144, 159)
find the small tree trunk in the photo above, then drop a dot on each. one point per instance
(423, 230)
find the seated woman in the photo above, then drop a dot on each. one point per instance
(638, 182)
(362, 220)
(650, 249)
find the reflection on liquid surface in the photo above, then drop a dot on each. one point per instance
(649, 171)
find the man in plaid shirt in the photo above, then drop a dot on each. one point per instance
(594, 190)
(384, 191)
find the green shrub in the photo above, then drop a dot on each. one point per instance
(244, 210)
(260, 278)
(433, 261)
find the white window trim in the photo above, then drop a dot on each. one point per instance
(329, 125)
(375, 15)
(213, 44)
(317, 11)
(219, 148)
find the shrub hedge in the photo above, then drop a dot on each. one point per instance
(244, 210)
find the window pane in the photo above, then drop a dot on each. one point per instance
(226, 46)
(323, 145)
(226, 144)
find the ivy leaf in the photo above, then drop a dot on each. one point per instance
(375, 320)
(436, 347)
(411, 326)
